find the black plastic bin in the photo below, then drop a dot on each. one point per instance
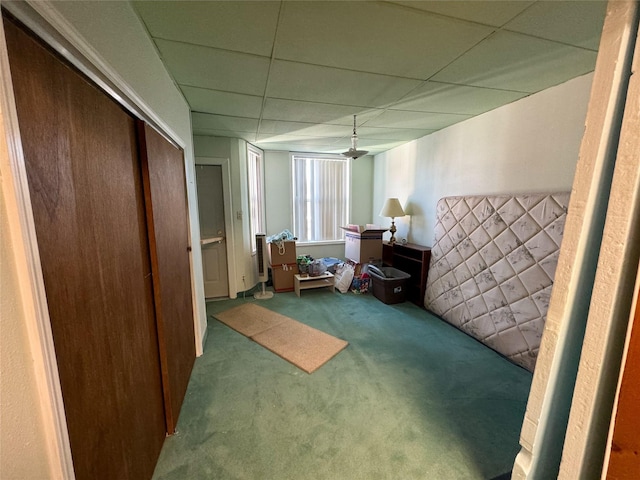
(388, 284)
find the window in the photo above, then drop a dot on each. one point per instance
(321, 191)
(255, 174)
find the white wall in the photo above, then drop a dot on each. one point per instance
(23, 453)
(279, 199)
(113, 32)
(527, 146)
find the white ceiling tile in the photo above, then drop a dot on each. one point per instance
(221, 122)
(377, 44)
(313, 112)
(297, 147)
(495, 13)
(399, 134)
(303, 129)
(248, 136)
(576, 23)
(377, 145)
(297, 81)
(240, 26)
(222, 103)
(416, 120)
(207, 67)
(373, 37)
(443, 97)
(299, 139)
(511, 61)
(313, 145)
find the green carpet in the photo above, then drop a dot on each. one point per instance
(411, 398)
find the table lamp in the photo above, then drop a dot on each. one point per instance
(393, 209)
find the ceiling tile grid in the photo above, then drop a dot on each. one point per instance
(290, 75)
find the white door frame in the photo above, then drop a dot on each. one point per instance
(228, 217)
(567, 417)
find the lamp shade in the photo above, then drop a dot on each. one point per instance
(392, 208)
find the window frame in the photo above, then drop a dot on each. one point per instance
(348, 188)
(259, 181)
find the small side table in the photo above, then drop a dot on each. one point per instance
(304, 283)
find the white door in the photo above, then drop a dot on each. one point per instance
(212, 230)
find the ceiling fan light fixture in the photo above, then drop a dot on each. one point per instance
(353, 152)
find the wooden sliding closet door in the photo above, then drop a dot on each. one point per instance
(85, 185)
(166, 200)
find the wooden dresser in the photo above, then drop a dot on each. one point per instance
(412, 259)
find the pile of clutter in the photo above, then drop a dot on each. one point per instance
(349, 275)
(314, 268)
(352, 276)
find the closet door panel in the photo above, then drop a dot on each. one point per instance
(85, 185)
(166, 199)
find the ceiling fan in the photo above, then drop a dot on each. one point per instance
(353, 152)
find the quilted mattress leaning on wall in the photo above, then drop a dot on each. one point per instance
(492, 267)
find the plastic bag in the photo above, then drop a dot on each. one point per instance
(376, 271)
(303, 262)
(317, 268)
(343, 277)
(283, 236)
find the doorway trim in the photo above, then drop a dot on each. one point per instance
(569, 407)
(228, 217)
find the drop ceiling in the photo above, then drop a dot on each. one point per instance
(290, 75)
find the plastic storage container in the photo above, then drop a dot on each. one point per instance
(388, 284)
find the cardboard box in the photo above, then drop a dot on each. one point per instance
(282, 253)
(369, 227)
(282, 276)
(362, 245)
